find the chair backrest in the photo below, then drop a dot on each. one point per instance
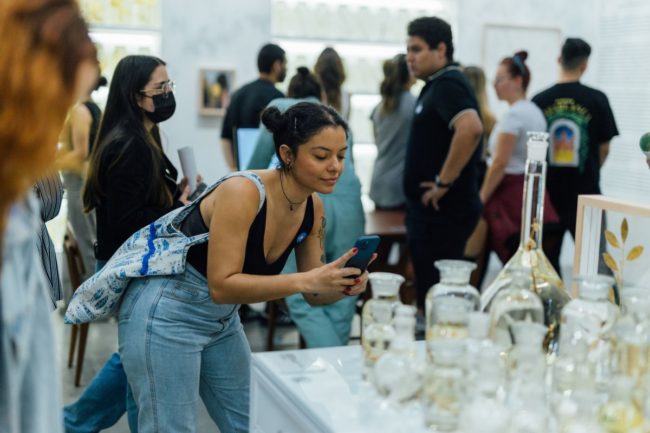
(245, 142)
(73, 255)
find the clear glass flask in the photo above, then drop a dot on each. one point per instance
(377, 318)
(546, 281)
(620, 414)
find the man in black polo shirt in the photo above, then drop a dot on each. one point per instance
(442, 157)
(247, 103)
(581, 125)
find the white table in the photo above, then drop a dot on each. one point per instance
(317, 390)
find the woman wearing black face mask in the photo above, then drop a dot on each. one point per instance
(130, 183)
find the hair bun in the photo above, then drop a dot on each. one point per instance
(303, 70)
(523, 55)
(274, 120)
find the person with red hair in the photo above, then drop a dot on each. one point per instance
(47, 62)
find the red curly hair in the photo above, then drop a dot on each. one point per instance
(42, 44)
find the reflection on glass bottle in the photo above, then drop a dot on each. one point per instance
(515, 302)
(546, 281)
(444, 385)
(619, 414)
(398, 371)
(590, 319)
(377, 318)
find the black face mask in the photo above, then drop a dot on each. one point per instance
(164, 107)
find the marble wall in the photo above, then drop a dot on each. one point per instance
(212, 33)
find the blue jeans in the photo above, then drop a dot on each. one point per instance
(177, 345)
(105, 399)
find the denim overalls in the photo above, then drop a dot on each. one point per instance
(174, 341)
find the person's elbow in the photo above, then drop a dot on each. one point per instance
(218, 291)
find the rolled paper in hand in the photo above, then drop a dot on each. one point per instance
(644, 144)
(188, 165)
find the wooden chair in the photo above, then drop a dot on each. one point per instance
(272, 310)
(76, 269)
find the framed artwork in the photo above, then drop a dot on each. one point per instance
(216, 85)
(612, 236)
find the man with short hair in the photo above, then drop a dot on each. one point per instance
(247, 103)
(442, 158)
(581, 125)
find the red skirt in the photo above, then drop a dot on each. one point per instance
(503, 214)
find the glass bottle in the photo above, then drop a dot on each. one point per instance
(619, 414)
(546, 281)
(454, 281)
(444, 385)
(514, 303)
(398, 372)
(486, 411)
(477, 343)
(377, 317)
(449, 319)
(632, 334)
(591, 318)
(584, 419)
(527, 371)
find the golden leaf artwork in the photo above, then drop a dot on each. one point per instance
(611, 239)
(635, 253)
(610, 262)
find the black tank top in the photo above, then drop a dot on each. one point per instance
(254, 260)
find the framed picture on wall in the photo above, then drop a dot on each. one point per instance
(216, 86)
(612, 237)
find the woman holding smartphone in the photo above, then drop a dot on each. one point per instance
(179, 332)
(324, 325)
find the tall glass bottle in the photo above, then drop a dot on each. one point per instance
(546, 281)
(376, 318)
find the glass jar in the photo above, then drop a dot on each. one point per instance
(398, 372)
(448, 320)
(515, 302)
(444, 385)
(527, 371)
(377, 317)
(632, 334)
(619, 414)
(591, 318)
(454, 281)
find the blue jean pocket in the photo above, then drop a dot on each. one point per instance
(131, 296)
(186, 291)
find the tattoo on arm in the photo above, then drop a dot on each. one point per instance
(321, 238)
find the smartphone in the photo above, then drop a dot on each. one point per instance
(366, 247)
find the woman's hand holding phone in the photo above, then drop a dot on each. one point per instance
(334, 277)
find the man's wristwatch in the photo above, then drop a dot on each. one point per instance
(441, 184)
